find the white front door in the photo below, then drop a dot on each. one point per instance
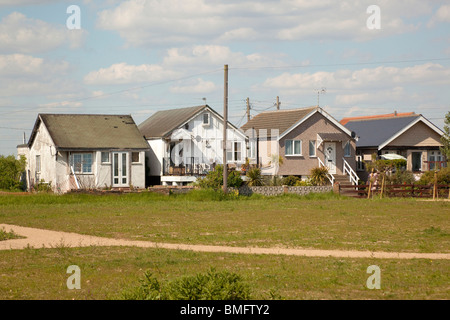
(120, 173)
(330, 156)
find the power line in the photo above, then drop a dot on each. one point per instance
(339, 64)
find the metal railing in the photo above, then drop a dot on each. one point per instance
(192, 167)
(330, 176)
(348, 170)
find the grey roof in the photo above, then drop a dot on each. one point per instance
(91, 131)
(280, 119)
(374, 132)
(161, 123)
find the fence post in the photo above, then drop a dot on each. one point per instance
(434, 186)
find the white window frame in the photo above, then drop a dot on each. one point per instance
(139, 157)
(81, 169)
(38, 163)
(105, 153)
(208, 117)
(347, 146)
(293, 154)
(232, 152)
(312, 154)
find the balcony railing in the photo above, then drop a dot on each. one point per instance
(436, 165)
(193, 167)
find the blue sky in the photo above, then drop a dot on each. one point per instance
(136, 57)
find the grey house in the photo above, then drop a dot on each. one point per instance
(71, 151)
(408, 135)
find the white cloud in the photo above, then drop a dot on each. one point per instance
(123, 73)
(23, 75)
(196, 86)
(142, 22)
(441, 15)
(19, 34)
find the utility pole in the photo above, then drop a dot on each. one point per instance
(225, 122)
(248, 109)
(278, 103)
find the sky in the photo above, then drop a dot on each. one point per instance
(352, 58)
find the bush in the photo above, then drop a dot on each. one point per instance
(254, 177)
(303, 183)
(214, 179)
(443, 177)
(400, 177)
(290, 180)
(11, 170)
(202, 286)
(319, 176)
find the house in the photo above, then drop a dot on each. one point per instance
(187, 143)
(70, 151)
(407, 135)
(305, 138)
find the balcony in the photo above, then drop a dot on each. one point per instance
(193, 167)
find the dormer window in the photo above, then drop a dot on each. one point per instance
(206, 119)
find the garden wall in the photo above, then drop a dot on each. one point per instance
(276, 190)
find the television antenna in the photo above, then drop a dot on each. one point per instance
(321, 91)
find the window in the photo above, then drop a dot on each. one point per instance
(82, 162)
(105, 157)
(206, 119)
(293, 147)
(38, 163)
(135, 156)
(347, 150)
(252, 149)
(312, 148)
(359, 161)
(237, 151)
(234, 151)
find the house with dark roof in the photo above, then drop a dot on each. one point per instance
(305, 139)
(84, 151)
(406, 135)
(187, 143)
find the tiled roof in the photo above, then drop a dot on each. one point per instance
(381, 116)
(161, 123)
(280, 120)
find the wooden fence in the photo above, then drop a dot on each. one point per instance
(434, 191)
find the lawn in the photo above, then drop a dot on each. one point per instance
(317, 221)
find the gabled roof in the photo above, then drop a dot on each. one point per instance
(378, 131)
(344, 121)
(162, 123)
(286, 120)
(91, 131)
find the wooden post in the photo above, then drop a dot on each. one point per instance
(382, 187)
(248, 109)
(434, 186)
(370, 185)
(225, 122)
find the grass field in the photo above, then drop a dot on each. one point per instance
(317, 221)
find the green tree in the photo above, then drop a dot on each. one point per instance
(11, 170)
(445, 139)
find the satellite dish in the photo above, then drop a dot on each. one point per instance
(198, 138)
(353, 134)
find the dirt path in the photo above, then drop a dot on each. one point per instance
(39, 238)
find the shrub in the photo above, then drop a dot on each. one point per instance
(211, 285)
(400, 177)
(319, 176)
(214, 179)
(290, 180)
(254, 177)
(303, 183)
(11, 170)
(443, 177)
